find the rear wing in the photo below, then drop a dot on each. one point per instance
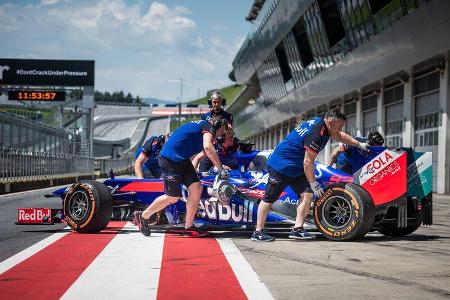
(388, 174)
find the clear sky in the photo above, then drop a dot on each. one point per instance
(138, 46)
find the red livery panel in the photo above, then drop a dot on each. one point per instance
(384, 177)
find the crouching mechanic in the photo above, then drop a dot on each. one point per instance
(177, 169)
(146, 163)
(342, 154)
(292, 164)
(226, 148)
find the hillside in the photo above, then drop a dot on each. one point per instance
(150, 100)
(230, 92)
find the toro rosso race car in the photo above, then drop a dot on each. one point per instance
(390, 191)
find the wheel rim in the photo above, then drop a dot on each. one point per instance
(78, 205)
(337, 212)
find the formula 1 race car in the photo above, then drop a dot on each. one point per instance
(390, 191)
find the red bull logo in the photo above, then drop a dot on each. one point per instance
(34, 215)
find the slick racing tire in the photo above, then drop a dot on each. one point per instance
(394, 231)
(345, 212)
(88, 206)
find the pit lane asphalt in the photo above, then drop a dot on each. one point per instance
(413, 267)
(15, 238)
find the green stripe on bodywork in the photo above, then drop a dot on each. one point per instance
(420, 174)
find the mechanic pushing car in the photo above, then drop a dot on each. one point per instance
(342, 154)
(146, 157)
(177, 169)
(226, 148)
(217, 101)
(292, 164)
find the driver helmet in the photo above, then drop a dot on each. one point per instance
(375, 139)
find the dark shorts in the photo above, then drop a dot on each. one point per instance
(175, 174)
(205, 164)
(153, 173)
(278, 182)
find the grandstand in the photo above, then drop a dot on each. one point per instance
(384, 63)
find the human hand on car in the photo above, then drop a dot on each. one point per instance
(224, 175)
(365, 147)
(317, 189)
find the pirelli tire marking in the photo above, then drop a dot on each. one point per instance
(352, 217)
(89, 192)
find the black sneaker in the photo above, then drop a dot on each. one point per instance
(141, 223)
(262, 236)
(300, 233)
(195, 232)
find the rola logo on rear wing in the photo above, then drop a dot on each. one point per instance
(384, 176)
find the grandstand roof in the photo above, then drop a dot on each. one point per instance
(254, 10)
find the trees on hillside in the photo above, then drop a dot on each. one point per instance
(117, 96)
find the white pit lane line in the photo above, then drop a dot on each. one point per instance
(252, 285)
(30, 251)
(131, 261)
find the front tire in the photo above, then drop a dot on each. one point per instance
(88, 206)
(345, 212)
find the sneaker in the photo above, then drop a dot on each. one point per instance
(262, 236)
(195, 232)
(300, 233)
(141, 223)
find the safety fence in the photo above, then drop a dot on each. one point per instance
(24, 165)
(119, 166)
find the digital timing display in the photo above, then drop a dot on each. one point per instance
(29, 95)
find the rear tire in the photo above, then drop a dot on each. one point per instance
(345, 212)
(88, 206)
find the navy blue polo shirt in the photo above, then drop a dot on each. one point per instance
(287, 158)
(151, 150)
(186, 141)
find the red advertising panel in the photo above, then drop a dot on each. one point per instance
(384, 177)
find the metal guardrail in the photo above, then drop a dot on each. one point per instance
(24, 165)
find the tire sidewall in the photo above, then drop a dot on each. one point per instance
(357, 226)
(90, 192)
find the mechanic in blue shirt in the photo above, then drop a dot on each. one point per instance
(292, 164)
(226, 148)
(217, 101)
(146, 157)
(342, 155)
(177, 169)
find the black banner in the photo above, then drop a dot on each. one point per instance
(47, 72)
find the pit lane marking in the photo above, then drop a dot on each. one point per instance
(131, 261)
(64, 265)
(250, 282)
(50, 272)
(30, 251)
